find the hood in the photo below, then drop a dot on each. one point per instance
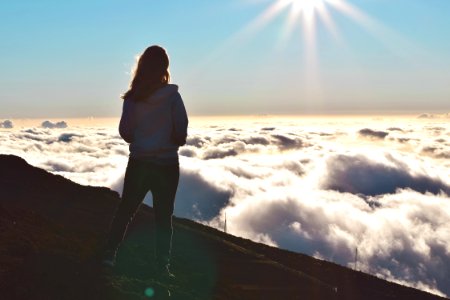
(163, 93)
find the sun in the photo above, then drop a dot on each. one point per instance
(307, 7)
(302, 20)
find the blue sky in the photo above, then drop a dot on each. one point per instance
(73, 58)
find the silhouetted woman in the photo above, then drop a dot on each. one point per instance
(154, 122)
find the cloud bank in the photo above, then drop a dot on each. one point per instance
(360, 175)
(366, 132)
(7, 124)
(434, 116)
(51, 125)
(325, 188)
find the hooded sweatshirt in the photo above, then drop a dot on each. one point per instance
(155, 127)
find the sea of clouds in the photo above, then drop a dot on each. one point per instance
(324, 187)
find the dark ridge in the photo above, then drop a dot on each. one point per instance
(51, 230)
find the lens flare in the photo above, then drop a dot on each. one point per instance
(149, 292)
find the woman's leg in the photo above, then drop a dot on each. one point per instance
(164, 184)
(134, 190)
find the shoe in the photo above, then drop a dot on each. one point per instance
(109, 258)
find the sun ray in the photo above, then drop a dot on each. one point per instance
(312, 81)
(325, 16)
(305, 15)
(263, 19)
(395, 42)
(289, 27)
(239, 37)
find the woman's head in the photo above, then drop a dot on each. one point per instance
(151, 72)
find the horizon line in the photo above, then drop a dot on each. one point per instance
(279, 114)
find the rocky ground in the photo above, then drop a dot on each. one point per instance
(51, 231)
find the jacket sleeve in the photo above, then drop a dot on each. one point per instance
(179, 121)
(127, 121)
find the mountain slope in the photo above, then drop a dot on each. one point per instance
(51, 230)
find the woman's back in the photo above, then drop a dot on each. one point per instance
(156, 126)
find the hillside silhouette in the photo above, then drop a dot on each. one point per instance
(52, 230)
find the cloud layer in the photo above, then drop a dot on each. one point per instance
(321, 187)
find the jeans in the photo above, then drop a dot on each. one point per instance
(141, 177)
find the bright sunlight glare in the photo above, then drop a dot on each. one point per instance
(304, 16)
(307, 7)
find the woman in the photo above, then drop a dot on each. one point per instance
(154, 122)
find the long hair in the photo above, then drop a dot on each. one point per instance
(151, 72)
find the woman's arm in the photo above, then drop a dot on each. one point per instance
(180, 122)
(127, 121)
